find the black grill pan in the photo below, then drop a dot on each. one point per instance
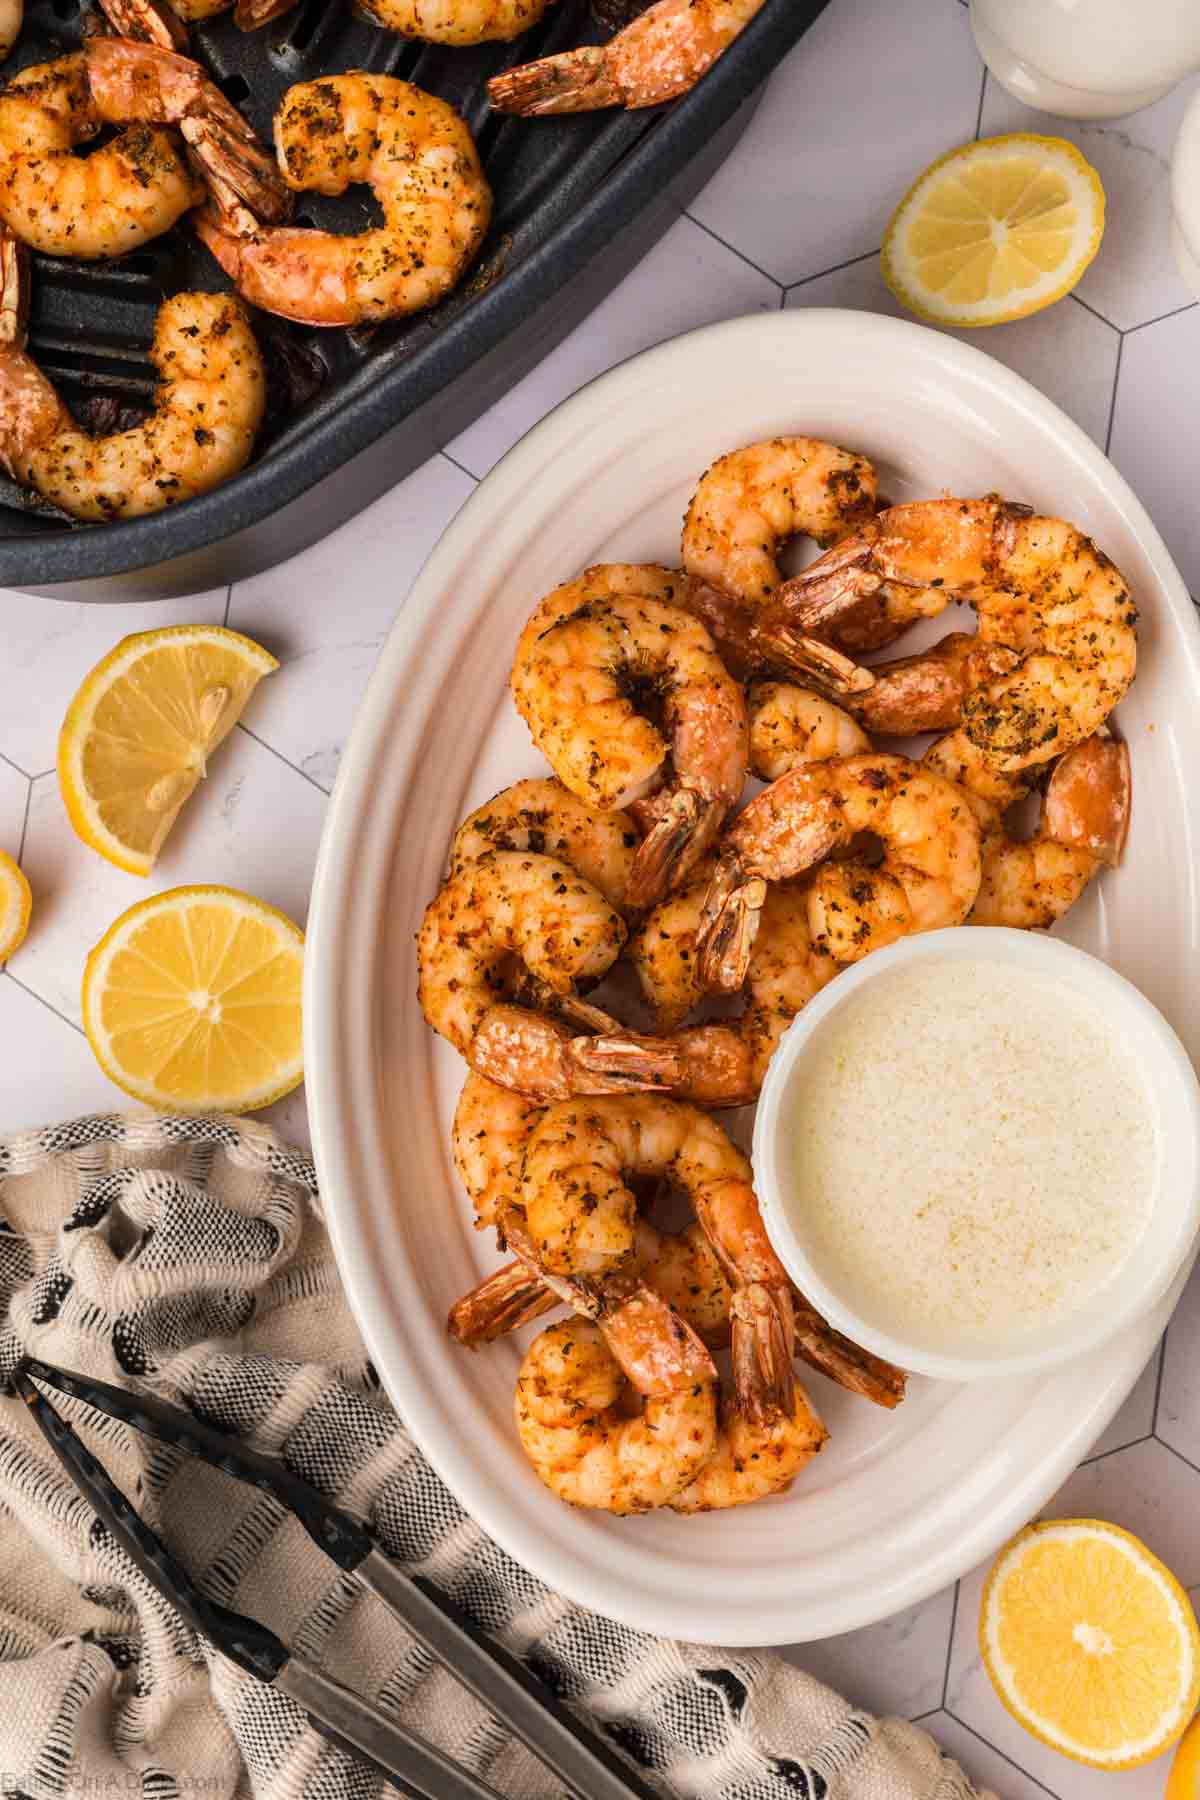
(579, 200)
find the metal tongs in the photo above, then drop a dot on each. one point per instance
(587, 1767)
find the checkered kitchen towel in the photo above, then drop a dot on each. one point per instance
(189, 1256)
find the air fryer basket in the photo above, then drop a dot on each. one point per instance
(578, 201)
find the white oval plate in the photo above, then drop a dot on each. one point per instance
(901, 1503)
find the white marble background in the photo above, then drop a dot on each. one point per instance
(874, 92)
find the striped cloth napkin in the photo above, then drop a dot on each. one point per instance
(189, 1256)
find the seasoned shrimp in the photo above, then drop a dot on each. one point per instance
(572, 684)
(573, 1426)
(754, 1460)
(1030, 883)
(487, 1141)
(928, 878)
(125, 193)
(144, 83)
(456, 21)
(660, 56)
(753, 500)
(512, 907)
(581, 1216)
(1040, 587)
(920, 693)
(208, 409)
(724, 1062)
(790, 725)
(544, 816)
(420, 162)
(12, 17)
(681, 1266)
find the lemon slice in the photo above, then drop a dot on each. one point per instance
(994, 230)
(1183, 1783)
(191, 1001)
(138, 734)
(1091, 1643)
(15, 903)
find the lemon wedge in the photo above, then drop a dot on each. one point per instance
(994, 230)
(15, 904)
(191, 1001)
(137, 736)
(1183, 1783)
(1091, 1643)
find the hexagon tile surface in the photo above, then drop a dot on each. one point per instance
(874, 92)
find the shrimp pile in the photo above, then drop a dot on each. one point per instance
(618, 947)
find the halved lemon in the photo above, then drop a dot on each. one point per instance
(138, 734)
(1183, 1783)
(1091, 1643)
(16, 902)
(191, 1001)
(994, 230)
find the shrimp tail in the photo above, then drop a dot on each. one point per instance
(510, 1298)
(835, 1356)
(656, 1348)
(753, 642)
(728, 926)
(147, 22)
(631, 1062)
(237, 167)
(802, 654)
(683, 831)
(763, 1348)
(575, 81)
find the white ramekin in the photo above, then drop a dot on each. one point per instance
(1174, 1094)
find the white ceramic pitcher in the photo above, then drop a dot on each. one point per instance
(1088, 59)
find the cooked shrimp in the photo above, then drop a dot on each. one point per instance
(544, 816)
(754, 1460)
(753, 500)
(722, 1063)
(487, 1141)
(920, 693)
(790, 725)
(929, 875)
(1040, 587)
(12, 17)
(681, 1266)
(572, 684)
(1030, 883)
(420, 162)
(208, 408)
(147, 84)
(570, 1417)
(122, 195)
(581, 1215)
(512, 907)
(456, 21)
(660, 56)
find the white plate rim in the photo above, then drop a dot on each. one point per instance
(351, 875)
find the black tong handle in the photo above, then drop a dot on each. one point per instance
(591, 1768)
